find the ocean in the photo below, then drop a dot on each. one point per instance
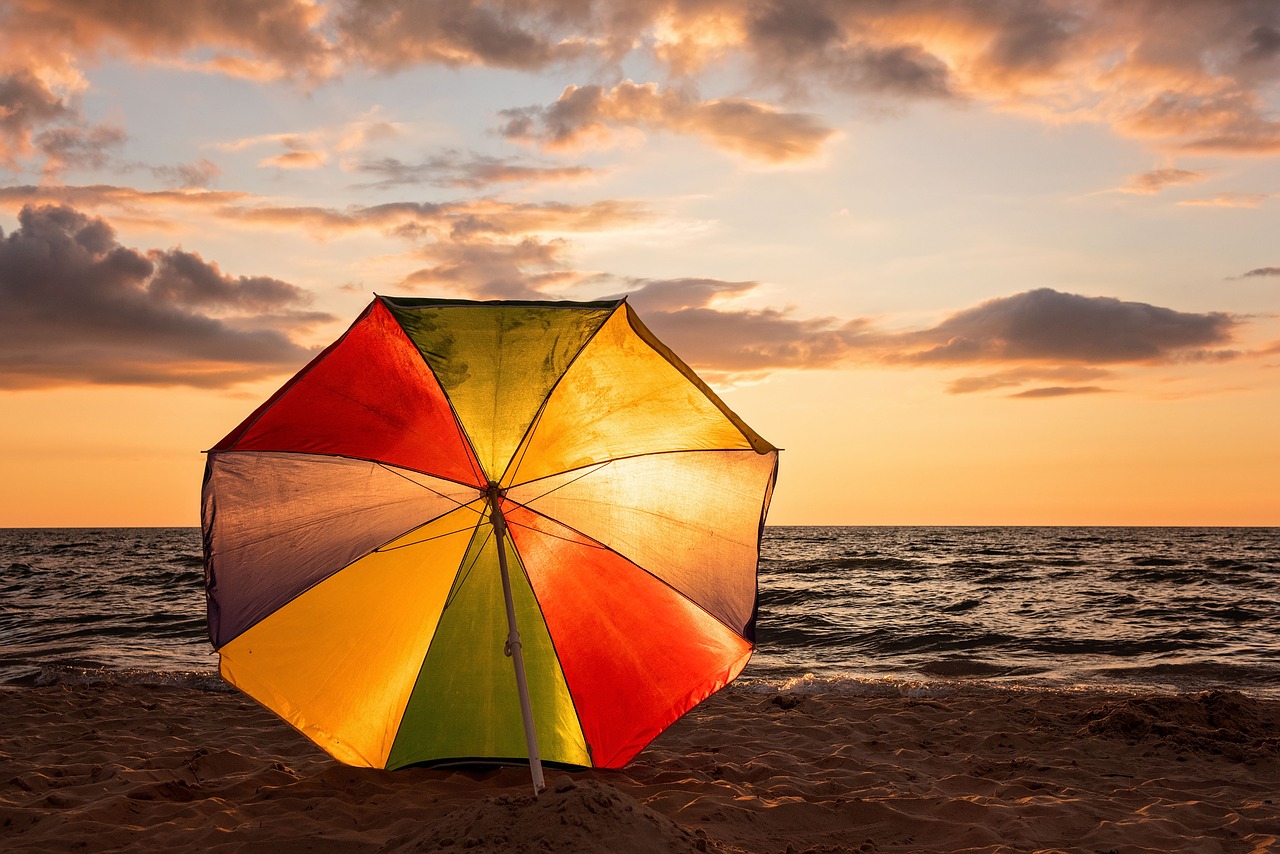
(853, 610)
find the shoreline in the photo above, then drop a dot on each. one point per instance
(126, 767)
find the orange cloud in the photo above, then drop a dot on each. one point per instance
(455, 220)
(1023, 375)
(124, 202)
(1149, 183)
(300, 158)
(1200, 81)
(411, 220)
(587, 116)
(1060, 391)
(280, 38)
(1229, 200)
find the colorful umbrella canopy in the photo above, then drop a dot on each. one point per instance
(452, 483)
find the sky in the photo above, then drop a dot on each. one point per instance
(967, 263)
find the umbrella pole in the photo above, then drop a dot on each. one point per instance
(513, 647)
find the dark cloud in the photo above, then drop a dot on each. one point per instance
(684, 314)
(201, 173)
(77, 307)
(900, 70)
(672, 295)
(1048, 326)
(793, 31)
(798, 42)
(586, 116)
(526, 269)
(1056, 342)
(25, 104)
(1263, 44)
(477, 172)
(1262, 271)
(396, 34)
(78, 148)
(186, 280)
(1031, 37)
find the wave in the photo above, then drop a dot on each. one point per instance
(56, 674)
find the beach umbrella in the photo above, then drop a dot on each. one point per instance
(457, 491)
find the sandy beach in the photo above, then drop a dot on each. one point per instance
(104, 768)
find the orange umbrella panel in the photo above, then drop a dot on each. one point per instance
(359, 527)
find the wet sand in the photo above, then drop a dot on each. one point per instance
(106, 768)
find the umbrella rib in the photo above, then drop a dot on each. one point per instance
(393, 471)
(464, 574)
(391, 548)
(635, 456)
(593, 543)
(587, 470)
(513, 465)
(597, 544)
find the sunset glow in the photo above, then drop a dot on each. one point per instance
(1002, 264)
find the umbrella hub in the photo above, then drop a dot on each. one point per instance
(494, 495)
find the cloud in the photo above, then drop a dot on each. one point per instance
(1042, 335)
(802, 42)
(1229, 200)
(685, 315)
(297, 157)
(200, 173)
(247, 38)
(395, 34)
(1023, 375)
(77, 307)
(489, 218)
(1059, 391)
(78, 148)
(411, 220)
(473, 173)
(481, 247)
(1149, 183)
(1200, 81)
(1048, 326)
(589, 116)
(25, 104)
(529, 268)
(1261, 271)
(301, 151)
(493, 249)
(138, 204)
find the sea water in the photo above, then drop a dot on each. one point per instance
(841, 609)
